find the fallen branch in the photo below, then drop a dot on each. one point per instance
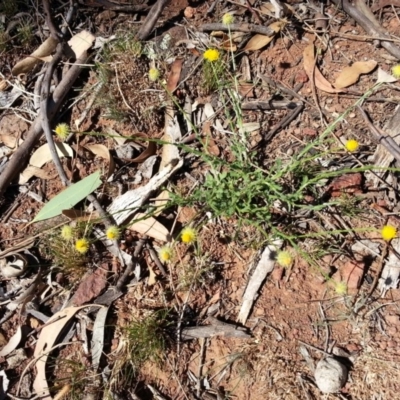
(361, 13)
(19, 158)
(44, 101)
(54, 32)
(113, 6)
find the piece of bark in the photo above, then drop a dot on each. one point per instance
(264, 266)
(126, 205)
(382, 158)
(216, 328)
(390, 274)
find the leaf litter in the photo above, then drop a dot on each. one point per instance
(267, 305)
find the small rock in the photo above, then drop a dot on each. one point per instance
(16, 359)
(382, 345)
(309, 132)
(352, 273)
(349, 183)
(392, 344)
(330, 375)
(189, 12)
(353, 347)
(301, 77)
(392, 319)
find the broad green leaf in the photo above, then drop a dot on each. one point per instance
(69, 197)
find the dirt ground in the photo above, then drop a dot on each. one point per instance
(296, 308)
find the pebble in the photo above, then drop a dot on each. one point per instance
(352, 347)
(391, 330)
(392, 344)
(392, 319)
(189, 12)
(330, 375)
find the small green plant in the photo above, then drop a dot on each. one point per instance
(9, 7)
(74, 380)
(196, 272)
(67, 248)
(147, 339)
(128, 45)
(213, 69)
(25, 32)
(4, 38)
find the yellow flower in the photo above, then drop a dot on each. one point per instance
(113, 233)
(388, 232)
(188, 235)
(341, 288)
(62, 131)
(352, 145)
(66, 232)
(211, 55)
(284, 259)
(154, 74)
(228, 19)
(396, 71)
(82, 246)
(165, 253)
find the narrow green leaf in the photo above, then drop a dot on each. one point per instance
(69, 197)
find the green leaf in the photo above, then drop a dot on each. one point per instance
(69, 197)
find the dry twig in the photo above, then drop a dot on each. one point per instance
(151, 19)
(246, 28)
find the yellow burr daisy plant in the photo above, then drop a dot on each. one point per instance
(388, 232)
(165, 253)
(113, 233)
(188, 235)
(284, 259)
(396, 71)
(211, 55)
(67, 232)
(228, 19)
(352, 145)
(341, 288)
(82, 246)
(213, 69)
(62, 131)
(154, 74)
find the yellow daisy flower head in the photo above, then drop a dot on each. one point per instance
(388, 232)
(62, 131)
(154, 74)
(284, 259)
(165, 253)
(341, 288)
(228, 19)
(188, 235)
(352, 145)
(113, 233)
(82, 245)
(211, 55)
(396, 71)
(67, 232)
